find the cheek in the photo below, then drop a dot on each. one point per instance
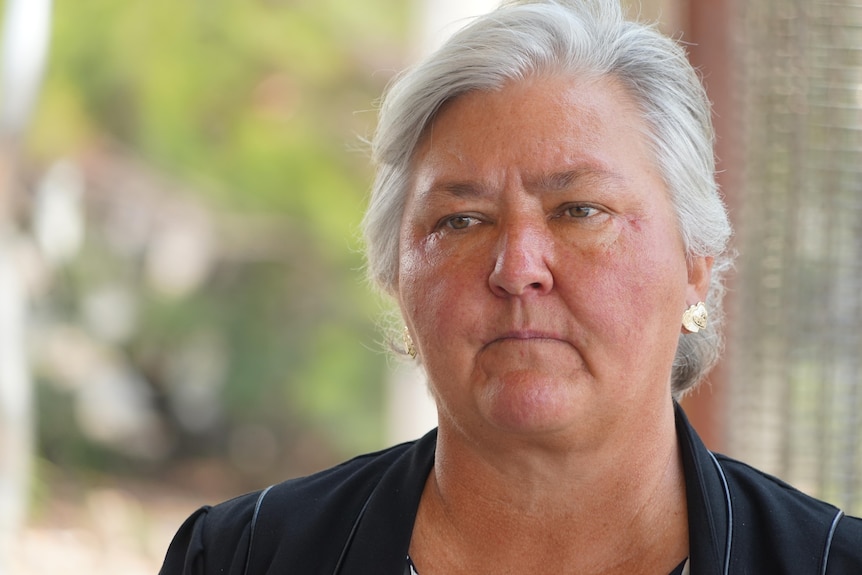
(653, 257)
(628, 289)
(431, 282)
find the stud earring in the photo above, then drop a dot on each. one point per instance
(409, 346)
(694, 318)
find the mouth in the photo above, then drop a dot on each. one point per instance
(526, 336)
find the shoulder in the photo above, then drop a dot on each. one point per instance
(772, 517)
(345, 477)
(216, 539)
(752, 488)
(846, 546)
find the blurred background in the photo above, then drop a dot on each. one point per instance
(183, 311)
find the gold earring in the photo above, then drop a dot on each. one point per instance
(409, 346)
(694, 318)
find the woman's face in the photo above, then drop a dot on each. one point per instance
(541, 273)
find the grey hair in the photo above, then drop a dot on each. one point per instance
(577, 38)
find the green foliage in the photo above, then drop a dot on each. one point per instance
(254, 102)
(254, 107)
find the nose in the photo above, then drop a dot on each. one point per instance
(522, 261)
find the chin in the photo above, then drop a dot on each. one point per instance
(533, 406)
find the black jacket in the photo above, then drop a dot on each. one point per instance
(357, 519)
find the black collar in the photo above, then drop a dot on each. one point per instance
(709, 512)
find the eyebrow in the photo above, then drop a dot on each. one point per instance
(552, 182)
(560, 181)
(459, 189)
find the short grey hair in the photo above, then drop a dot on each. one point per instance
(577, 38)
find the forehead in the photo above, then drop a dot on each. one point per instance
(539, 126)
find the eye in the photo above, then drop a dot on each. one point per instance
(458, 222)
(580, 211)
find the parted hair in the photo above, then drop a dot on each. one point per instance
(581, 39)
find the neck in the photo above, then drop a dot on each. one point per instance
(607, 505)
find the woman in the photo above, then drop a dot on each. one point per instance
(546, 217)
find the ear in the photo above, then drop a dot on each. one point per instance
(699, 276)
